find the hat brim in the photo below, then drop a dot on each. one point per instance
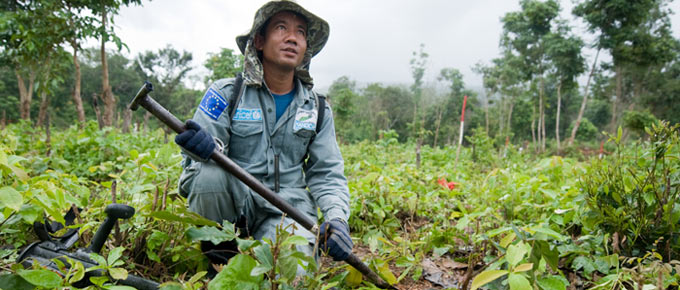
(317, 28)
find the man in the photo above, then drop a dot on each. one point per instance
(273, 135)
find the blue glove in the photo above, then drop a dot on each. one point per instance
(334, 239)
(196, 141)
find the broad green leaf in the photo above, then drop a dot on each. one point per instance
(236, 275)
(197, 277)
(114, 255)
(602, 265)
(486, 277)
(98, 258)
(134, 154)
(544, 250)
(439, 251)
(260, 269)
(208, 233)
(385, 273)
(550, 233)
(20, 173)
(493, 233)
(523, 267)
(118, 273)
(170, 286)
(14, 282)
(264, 255)
(553, 283)
(30, 213)
(353, 278)
(186, 217)
(10, 198)
(42, 278)
(295, 240)
(287, 267)
(515, 253)
(244, 245)
(518, 282)
(584, 263)
(505, 241)
(78, 272)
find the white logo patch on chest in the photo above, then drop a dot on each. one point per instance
(305, 119)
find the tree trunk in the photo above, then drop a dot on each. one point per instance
(501, 122)
(25, 95)
(107, 94)
(585, 100)
(418, 144)
(557, 118)
(77, 100)
(415, 119)
(486, 113)
(533, 125)
(437, 125)
(48, 136)
(509, 126)
(127, 116)
(617, 98)
(3, 122)
(542, 114)
(44, 103)
(97, 112)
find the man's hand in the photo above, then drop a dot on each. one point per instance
(196, 140)
(334, 239)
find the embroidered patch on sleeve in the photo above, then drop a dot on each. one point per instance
(248, 115)
(213, 104)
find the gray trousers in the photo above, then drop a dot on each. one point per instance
(218, 196)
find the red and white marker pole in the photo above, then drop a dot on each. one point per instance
(462, 122)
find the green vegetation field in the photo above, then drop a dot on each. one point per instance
(502, 218)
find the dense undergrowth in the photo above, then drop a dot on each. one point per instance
(515, 219)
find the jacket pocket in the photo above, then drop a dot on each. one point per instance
(245, 140)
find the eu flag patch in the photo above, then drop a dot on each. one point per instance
(213, 104)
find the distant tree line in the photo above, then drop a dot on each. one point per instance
(530, 90)
(41, 54)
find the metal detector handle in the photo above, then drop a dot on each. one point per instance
(113, 212)
(143, 99)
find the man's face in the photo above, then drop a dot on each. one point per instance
(285, 41)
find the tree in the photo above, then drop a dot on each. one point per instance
(582, 109)
(31, 34)
(490, 82)
(564, 52)
(224, 64)
(80, 26)
(106, 10)
(524, 32)
(511, 81)
(418, 63)
(453, 101)
(342, 94)
(633, 32)
(166, 69)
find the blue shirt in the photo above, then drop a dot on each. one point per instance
(282, 102)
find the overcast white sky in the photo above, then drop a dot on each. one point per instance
(370, 41)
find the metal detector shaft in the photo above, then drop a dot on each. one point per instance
(143, 99)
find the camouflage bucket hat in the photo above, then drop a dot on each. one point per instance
(317, 28)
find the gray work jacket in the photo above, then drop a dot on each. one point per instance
(255, 137)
